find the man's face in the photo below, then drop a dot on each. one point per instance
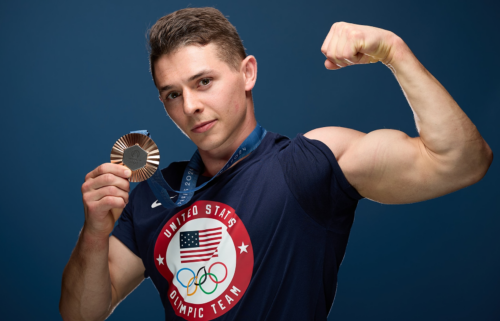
(204, 97)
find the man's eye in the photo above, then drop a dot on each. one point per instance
(205, 81)
(173, 95)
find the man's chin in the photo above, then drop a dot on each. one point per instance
(213, 143)
(207, 147)
(206, 143)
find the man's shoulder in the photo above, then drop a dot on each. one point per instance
(338, 139)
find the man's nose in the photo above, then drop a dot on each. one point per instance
(192, 104)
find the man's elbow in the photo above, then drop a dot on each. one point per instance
(482, 161)
(487, 160)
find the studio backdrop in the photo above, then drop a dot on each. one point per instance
(74, 77)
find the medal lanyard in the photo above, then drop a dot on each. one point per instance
(193, 170)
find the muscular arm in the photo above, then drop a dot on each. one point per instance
(101, 270)
(388, 166)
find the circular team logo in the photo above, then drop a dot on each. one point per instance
(205, 254)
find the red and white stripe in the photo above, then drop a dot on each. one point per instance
(209, 240)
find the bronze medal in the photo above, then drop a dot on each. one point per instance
(139, 153)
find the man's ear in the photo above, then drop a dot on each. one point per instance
(249, 70)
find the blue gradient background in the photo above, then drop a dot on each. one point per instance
(74, 78)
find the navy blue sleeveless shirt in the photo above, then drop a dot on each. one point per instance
(263, 241)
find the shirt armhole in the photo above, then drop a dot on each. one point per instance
(341, 179)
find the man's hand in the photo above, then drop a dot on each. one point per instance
(349, 44)
(105, 194)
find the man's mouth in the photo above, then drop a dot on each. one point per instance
(204, 126)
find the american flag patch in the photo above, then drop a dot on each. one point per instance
(199, 246)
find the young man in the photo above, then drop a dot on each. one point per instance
(265, 238)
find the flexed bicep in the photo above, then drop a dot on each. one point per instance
(390, 167)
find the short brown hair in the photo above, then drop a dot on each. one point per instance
(195, 26)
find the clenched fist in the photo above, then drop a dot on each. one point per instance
(350, 44)
(105, 194)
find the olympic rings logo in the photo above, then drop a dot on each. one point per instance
(203, 279)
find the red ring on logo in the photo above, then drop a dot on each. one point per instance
(210, 269)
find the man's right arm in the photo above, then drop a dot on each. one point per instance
(101, 270)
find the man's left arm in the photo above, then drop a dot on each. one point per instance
(388, 166)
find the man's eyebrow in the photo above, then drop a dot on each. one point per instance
(201, 73)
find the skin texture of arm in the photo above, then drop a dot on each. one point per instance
(98, 276)
(388, 166)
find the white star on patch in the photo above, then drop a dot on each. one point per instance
(160, 260)
(243, 247)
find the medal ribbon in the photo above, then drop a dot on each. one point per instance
(193, 170)
(143, 132)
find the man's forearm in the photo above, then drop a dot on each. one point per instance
(86, 285)
(444, 128)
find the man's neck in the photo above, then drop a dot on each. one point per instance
(214, 161)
